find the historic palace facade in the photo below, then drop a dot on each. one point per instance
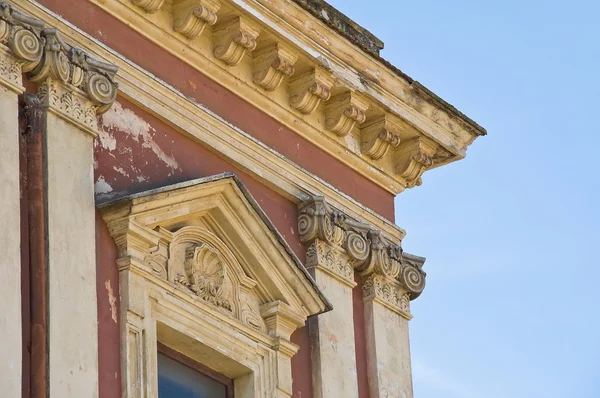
(198, 200)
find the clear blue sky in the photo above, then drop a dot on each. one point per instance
(511, 232)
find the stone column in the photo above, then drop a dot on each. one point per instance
(20, 50)
(73, 88)
(331, 255)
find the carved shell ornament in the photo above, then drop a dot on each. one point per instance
(206, 274)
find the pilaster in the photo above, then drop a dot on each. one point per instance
(387, 312)
(73, 88)
(20, 50)
(331, 254)
(339, 246)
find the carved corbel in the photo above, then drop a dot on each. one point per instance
(344, 111)
(190, 17)
(150, 6)
(272, 64)
(233, 39)
(308, 90)
(414, 157)
(378, 135)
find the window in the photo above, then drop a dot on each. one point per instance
(181, 377)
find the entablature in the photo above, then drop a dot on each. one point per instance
(288, 63)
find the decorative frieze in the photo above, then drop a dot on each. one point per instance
(233, 38)
(378, 135)
(190, 17)
(150, 6)
(309, 89)
(272, 64)
(414, 158)
(344, 111)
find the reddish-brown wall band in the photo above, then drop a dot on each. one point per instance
(360, 339)
(107, 288)
(232, 108)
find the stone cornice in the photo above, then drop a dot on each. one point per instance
(303, 91)
(340, 245)
(71, 83)
(158, 98)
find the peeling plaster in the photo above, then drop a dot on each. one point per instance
(124, 120)
(112, 300)
(101, 186)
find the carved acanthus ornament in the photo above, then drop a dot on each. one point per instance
(309, 89)
(272, 64)
(344, 111)
(190, 17)
(414, 158)
(340, 246)
(378, 135)
(233, 38)
(150, 6)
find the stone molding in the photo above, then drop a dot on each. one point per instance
(340, 245)
(71, 83)
(308, 109)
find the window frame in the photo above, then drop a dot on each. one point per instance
(198, 367)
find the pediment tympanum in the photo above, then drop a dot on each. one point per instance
(208, 239)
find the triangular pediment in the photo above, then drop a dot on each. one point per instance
(209, 239)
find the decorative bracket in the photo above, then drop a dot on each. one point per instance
(233, 39)
(150, 6)
(308, 90)
(378, 135)
(344, 111)
(190, 17)
(272, 64)
(413, 158)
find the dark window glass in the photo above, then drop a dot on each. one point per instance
(176, 380)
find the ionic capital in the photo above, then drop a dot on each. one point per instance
(341, 246)
(21, 47)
